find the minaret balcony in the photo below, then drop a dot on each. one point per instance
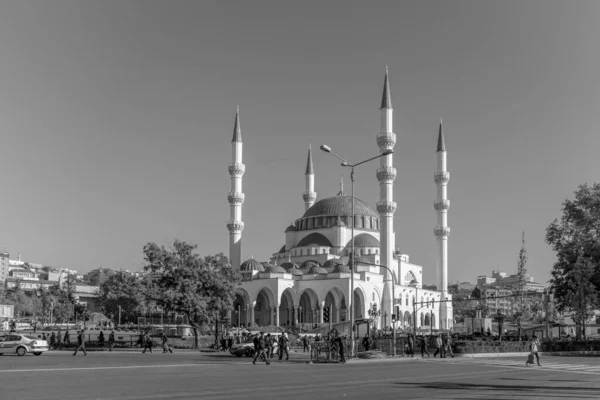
(386, 140)
(441, 205)
(441, 177)
(386, 174)
(235, 226)
(386, 207)
(235, 198)
(237, 169)
(309, 196)
(441, 231)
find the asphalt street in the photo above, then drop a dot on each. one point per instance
(191, 375)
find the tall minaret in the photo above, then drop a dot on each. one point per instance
(386, 140)
(235, 196)
(309, 195)
(442, 231)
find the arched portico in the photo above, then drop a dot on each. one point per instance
(264, 307)
(359, 304)
(308, 306)
(286, 308)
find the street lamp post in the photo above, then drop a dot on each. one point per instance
(415, 284)
(345, 163)
(394, 281)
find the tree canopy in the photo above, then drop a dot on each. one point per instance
(576, 240)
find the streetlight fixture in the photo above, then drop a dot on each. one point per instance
(346, 163)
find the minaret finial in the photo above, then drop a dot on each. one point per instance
(309, 162)
(237, 130)
(386, 98)
(441, 142)
(341, 192)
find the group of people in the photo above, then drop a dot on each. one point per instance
(146, 342)
(264, 347)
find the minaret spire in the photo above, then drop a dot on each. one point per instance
(309, 195)
(236, 196)
(442, 231)
(386, 174)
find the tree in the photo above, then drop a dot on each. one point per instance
(98, 276)
(203, 289)
(576, 240)
(126, 291)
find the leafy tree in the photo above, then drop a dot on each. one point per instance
(576, 240)
(203, 289)
(127, 291)
(100, 275)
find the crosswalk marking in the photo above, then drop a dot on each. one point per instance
(520, 364)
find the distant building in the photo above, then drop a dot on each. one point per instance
(502, 279)
(4, 266)
(23, 274)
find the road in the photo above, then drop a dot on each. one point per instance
(190, 375)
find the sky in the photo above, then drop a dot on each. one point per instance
(117, 118)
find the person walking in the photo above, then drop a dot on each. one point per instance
(411, 346)
(111, 340)
(67, 339)
(165, 345)
(59, 344)
(438, 347)
(366, 342)
(80, 343)
(52, 341)
(230, 342)
(101, 339)
(305, 344)
(44, 336)
(260, 349)
(284, 342)
(534, 346)
(269, 346)
(448, 348)
(423, 346)
(340, 346)
(147, 343)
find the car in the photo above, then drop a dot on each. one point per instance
(247, 347)
(22, 344)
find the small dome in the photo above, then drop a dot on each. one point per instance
(317, 271)
(332, 263)
(278, 269)
(314, 239)
(295, 271)
(288, 265)
(364, 240)
(252, 265)
(290, 228)
(341, 269)
(310, 264)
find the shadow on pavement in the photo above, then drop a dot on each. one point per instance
(546, 391)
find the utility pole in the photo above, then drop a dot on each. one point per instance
(546, 309)
(119, 315)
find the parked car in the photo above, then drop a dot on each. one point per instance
(22, 344)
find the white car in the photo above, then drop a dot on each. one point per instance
(22, 344)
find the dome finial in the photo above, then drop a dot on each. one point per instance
(441, 142)
(341, 192)
(309, 162)
(386, 98)
(237, 130)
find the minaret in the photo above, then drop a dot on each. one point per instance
(235, 196)
(442, 231)
(386, 174)
(309, 195)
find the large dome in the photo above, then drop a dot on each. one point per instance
(339, 205)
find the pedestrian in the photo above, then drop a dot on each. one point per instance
(80, 343)
(67, 339)
(165, 345)
(366, 342)
(448, 348)
(230, 342)
(111, 340)
(44, 336)
(305, 344)
(147, 343)
(438, 347)
(260, 349)
(340, 345)
(423, 345)
(101, 339)
(284, 342)
(140, 341)
(411, 345)
(59, 343)
(52, 340)
(534, 347)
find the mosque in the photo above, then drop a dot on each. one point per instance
(308, 280)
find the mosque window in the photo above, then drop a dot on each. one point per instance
(373, 296)
(406, 299)
(369, 251)
(314, 251)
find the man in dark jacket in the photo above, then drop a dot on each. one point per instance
(165, 345)
(269, 345)
(411, 346)
(80, 343)
(260, 349)
(423, 345)
(147, 343)
(111, 340)
(304, 343)
(366, 342)
(340, 345)
(283, 346)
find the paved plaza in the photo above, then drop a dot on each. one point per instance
(192, 375)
